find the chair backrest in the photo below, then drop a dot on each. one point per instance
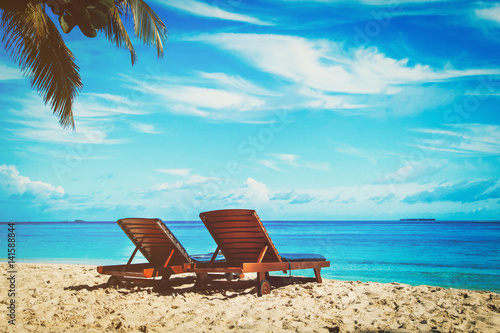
(154, 240)
(240, 235)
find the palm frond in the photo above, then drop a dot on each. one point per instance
(115, 32)
(35, 43)
(147, 24)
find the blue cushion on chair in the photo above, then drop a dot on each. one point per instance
(206, 257)
(302, 257)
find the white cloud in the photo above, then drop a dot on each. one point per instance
(361, 153)
(35, 122)
(465, 139)
(193, 182)
(289, 159)
(196, 193)
(415, 171)
(492, 13)
(389, 2)
(210, 95)
(209, 98)
(269, 164)
(176, 172)
(324, 66)
(102, 105)
(199, 8)
(143, 128)
(256, 192)
(317, 99)
(303, 198)
(374, 2)
(292, 160)
(9, 73)
(13, 183)
(236, 82)
(322, 74)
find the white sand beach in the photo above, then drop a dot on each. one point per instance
(74, 298)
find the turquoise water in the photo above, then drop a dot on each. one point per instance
(448, 254)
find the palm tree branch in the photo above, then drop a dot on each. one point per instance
(147, 24)
(115, 32)
(35, 43)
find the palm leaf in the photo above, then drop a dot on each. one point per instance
(147, 24)
(35, 43)
(116, 33)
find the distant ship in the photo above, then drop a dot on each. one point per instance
(79, 221)
(416, 220)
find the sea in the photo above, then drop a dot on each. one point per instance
(449, 254)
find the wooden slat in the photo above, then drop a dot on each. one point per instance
(138, 223)
(254, 230)
(234, 224)
(148, 235)
(229, 212)
(232, 228)
(142, 230)
(148, 240)
(229, 219)
(217, 270)
(123, 268)
(153, 239)
(240, 235)
(243, 245)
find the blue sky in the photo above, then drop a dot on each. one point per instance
(314, 110)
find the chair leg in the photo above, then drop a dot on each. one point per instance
(317, 274)
(201, 282)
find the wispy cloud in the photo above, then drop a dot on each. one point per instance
(370, 200)
(215, 96)
(176, 172)
(12, 183)
(302, 199)
(34, 122)
(372, 2)
(143, 128)
(489, 13)
(462, 192)
(415, 171)
(192, 182)
(288, 195)
(236, 82)
(389, 2)
(292, 160)
(102, 105)
(351, 150)
(9, 73)
(209, 98)
(325, 66)
(202, 9)
(465, 139)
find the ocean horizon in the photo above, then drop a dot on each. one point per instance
(444, 253)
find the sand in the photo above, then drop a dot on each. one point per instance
(74, 298)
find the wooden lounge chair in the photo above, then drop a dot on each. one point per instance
(247, 247)
(165, 254)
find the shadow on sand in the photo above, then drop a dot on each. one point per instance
(185, 284)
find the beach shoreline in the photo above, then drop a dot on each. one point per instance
(74, 298)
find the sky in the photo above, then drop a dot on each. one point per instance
(301, 110)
